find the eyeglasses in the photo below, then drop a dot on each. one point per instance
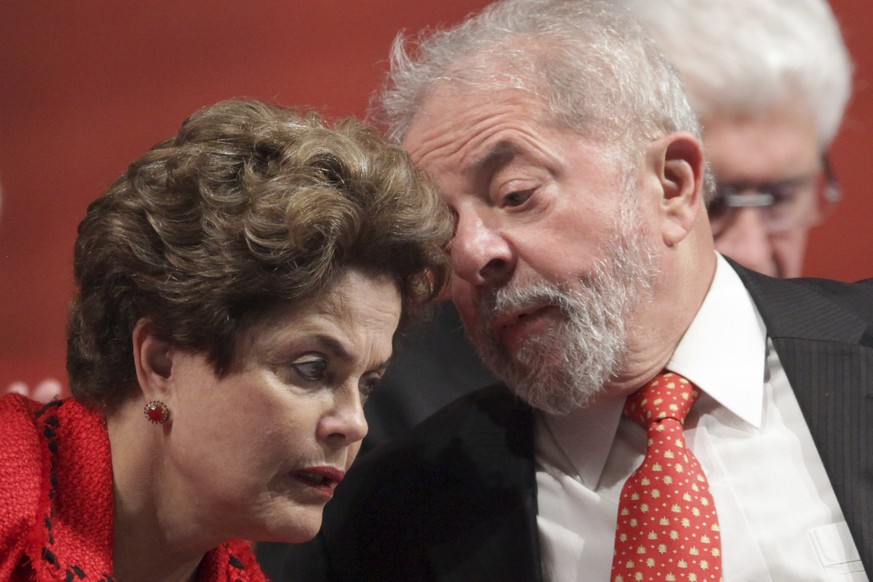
(785, 205)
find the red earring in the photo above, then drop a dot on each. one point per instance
(157, 412)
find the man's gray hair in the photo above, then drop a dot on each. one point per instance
(587, 62)
(749, 57)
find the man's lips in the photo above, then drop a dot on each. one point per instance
(323, 479)
(511, 328)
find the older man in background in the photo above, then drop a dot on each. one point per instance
(769, 80)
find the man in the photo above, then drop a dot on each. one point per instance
(769, 81)
(584, 267)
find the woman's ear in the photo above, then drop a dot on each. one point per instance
(153, 360)
(680, 166)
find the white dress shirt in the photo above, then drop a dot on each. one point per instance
(778, 514)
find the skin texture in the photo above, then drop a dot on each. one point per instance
(779, 146)
(533, 201)
(227, 463)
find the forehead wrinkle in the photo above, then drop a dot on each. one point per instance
(339, 310)
(443, 136)
(351, 323)
(432, 139)
(431, 145)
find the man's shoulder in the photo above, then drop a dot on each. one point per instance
(856, 297)
(489, 419)
(811, 308)
(856, 294)
(491, 408)
(480, 443)
(467, 467)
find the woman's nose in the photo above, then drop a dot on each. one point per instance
(344, 423)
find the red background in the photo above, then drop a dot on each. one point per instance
(87, 86)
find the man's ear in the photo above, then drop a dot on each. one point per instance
(680, 166)
(153, 360)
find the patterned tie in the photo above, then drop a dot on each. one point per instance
(667, 526)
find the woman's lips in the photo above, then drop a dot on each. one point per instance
(322, 480)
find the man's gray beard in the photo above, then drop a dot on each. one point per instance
(565, 368)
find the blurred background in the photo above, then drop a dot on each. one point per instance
(87, 86)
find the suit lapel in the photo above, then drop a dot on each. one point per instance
(503, 548)
(824, 348)
(497, 534)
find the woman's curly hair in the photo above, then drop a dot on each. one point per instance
(249, 207)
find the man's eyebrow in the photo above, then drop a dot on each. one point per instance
(497, 156)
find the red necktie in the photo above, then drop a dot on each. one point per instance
(667, 525)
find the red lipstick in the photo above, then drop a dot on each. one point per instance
(322, 480)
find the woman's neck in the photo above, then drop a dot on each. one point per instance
(155, 537)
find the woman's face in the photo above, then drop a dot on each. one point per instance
(260, 451)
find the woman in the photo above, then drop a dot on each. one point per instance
(238, 291)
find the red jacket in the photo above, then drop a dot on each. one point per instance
(56, 498)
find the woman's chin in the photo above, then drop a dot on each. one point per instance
(298, 533)
(293, 525)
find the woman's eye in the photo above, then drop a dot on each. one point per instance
(368, 386)
(517, 198)
(310, 369)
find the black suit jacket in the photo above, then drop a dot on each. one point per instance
(456, 499)
(432, 366)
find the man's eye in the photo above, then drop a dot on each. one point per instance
(517, 198)
(310, 369)
(785, 193)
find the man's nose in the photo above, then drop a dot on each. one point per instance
(747, 241)
(480, 253)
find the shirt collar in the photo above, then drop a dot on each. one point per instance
(722, 352)
(585, 437)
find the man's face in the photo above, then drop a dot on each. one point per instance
(549, 263)
(776, 154)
